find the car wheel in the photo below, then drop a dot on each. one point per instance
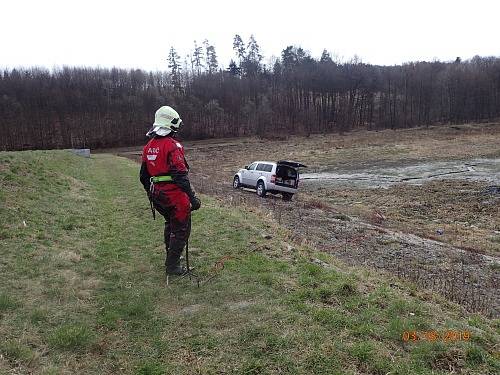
(287, 196)
(236, 182)
(261, 190)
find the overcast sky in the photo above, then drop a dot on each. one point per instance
(138, 34)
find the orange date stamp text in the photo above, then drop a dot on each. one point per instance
(446, 336)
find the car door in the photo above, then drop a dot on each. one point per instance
(255, 174)
(259, 171)
(247, 174)
(264, 169)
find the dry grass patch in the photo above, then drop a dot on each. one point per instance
(67, 255)
(456, 212)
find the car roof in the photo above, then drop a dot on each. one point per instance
(263, 161)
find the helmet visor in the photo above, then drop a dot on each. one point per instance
(176, 124)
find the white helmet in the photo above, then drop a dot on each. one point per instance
(167, 120)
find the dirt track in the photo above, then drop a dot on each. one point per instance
(461, 273)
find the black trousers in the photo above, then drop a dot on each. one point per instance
(176, 232)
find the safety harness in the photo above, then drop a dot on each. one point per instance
(154, 180)
(162, 178)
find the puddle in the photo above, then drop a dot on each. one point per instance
(487, 170)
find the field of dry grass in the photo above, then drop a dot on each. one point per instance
(458, 212)
(352, 150)
(461, 213)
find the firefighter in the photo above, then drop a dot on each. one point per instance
(164, 175)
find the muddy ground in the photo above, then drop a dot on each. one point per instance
(422, 204)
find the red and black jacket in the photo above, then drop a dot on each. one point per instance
(164, 156)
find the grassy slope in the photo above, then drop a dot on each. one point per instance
(82, 290)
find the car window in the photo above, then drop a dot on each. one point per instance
(261, 167)
(264, 167)
(252, 166)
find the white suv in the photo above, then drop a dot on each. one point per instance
(269, 177)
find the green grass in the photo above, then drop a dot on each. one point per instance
(71, 337)
(82, 290)
(7, 303)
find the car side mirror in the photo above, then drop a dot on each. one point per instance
(246, 166)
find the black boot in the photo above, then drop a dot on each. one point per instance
(166, 257)
(173, 258)
(167, 243)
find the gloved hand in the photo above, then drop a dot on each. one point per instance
(195, 203)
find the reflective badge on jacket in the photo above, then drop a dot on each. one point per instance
(152, 154)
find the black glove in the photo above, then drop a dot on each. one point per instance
(195, 203)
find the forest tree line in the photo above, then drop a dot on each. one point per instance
(296, 94)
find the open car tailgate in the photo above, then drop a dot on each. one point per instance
(292, 164)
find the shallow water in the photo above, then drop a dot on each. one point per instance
(487, 170)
